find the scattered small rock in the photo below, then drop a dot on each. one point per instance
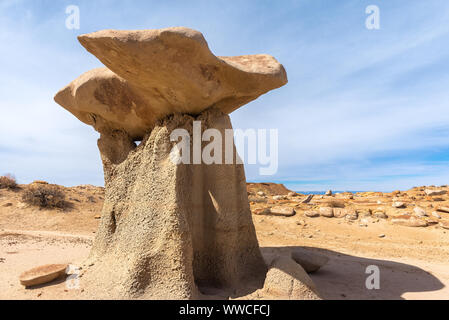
(364, 222)
(307, 199)
(380, 213)
(364, 212)
(327, 212)
(351, 215)
(436, 215)
(420, 212)
(340, 213)
(283, 211)
(398, 205)
(311, 214)
(430, 192)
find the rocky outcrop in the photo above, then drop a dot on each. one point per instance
(168, 230)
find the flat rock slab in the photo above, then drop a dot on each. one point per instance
(151, 74)
(435, 192)
(282, 211)
(443, 209)
(42, 274)
(408, 221)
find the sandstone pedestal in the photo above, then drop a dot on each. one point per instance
(168, 231)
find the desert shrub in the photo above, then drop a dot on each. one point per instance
(45, 196)
(8, 181)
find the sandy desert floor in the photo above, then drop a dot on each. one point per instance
(413, 262)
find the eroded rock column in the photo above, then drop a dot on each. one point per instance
(168, 229)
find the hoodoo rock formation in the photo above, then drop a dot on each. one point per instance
(170, 231)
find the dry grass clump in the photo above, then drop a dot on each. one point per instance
(8, 181)
(45, 196)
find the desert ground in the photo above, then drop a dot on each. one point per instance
(404, 233)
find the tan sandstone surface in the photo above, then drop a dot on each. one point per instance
(154, 73)
(412, 261)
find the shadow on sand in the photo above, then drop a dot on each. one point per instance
(344, 276)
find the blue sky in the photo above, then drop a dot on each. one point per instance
(363, 109)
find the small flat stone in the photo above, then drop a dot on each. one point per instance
(311, 214)
(283, 211)
(398, 205)
(42, 274)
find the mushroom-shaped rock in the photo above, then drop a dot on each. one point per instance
(160, 72)
(168, 230)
